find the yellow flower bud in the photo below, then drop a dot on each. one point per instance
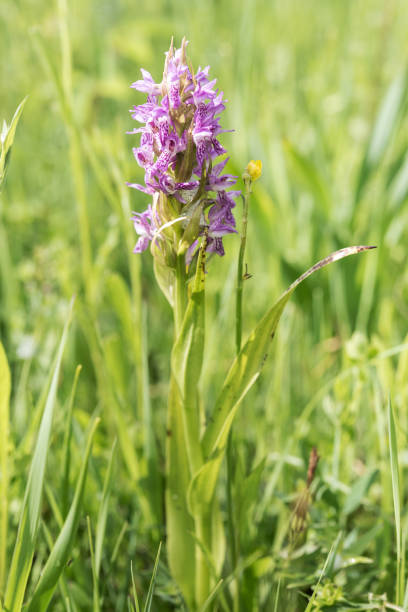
(254, 169)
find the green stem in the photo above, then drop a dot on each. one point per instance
(232, 536)
(240, 271)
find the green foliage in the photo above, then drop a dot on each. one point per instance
(318, 92)
(59, 555)
(6, 139)
(5, 384)
(25, 546)
(396, 495)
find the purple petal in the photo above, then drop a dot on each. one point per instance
(141, 244)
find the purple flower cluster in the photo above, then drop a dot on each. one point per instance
(178, 144)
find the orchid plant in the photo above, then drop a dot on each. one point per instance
(189, 214)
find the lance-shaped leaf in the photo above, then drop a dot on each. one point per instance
(180, 525)
(59, 555)
(242, 375)
(187, 359)
(183, 443)
(30, 514)
(7, 139)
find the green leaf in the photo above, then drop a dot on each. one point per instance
(134, 592)
(6, 139)
(59, 555)
(103, 510)
(187, 360)
(242, 375)
(5, 386)
(358, 491)
(119, 296)
(149, 598)
(385, 125)
(397, 497)
(399, 187)
(165, 279)
(131, 314)
(217, 536)
(275, 608)
(248, 488)
(184, 453)
(180, 525)
(212, 595)
(67, 443)
(31, 508)
(95, 581)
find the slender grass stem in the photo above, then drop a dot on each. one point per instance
(240, 271)
(238, 338)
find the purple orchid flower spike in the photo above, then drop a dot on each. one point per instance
(178, 145)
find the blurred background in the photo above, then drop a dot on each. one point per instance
(317, 91)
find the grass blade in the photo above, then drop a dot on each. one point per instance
(95, 581)
(31, 508)
(396, 495)
(67, 443)
(212, 595)
(134, 592)
(59, 555)
(149, 598)
(5, 386)
(6, 140)
(275, 607)
(103, 510)
(121, 535)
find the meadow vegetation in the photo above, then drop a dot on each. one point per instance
(318, 91)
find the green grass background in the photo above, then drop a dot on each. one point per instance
(318, 91)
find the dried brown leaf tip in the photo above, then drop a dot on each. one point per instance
(313, 461)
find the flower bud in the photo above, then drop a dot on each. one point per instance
(253, 170)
